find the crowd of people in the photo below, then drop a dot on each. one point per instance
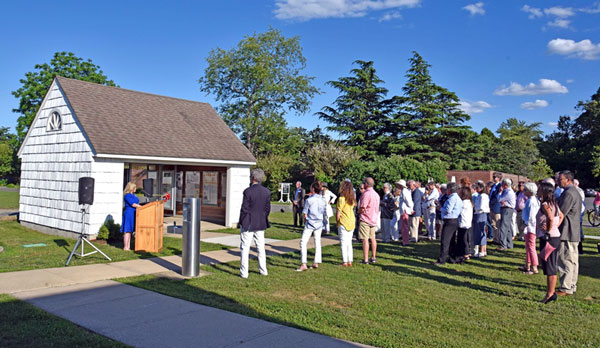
(464, 216)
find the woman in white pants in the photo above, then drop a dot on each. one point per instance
(346, 221)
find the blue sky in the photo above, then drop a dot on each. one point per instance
(533, 60)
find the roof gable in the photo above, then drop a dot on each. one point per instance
(124, 122)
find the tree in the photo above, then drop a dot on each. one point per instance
(327, 159)
(8, 154)
(257, 81)
(277, 169)
(36, 84)
(540, 170)
(361, 112)
(575, 143)
(595, 163)
(519, 150)
(428, 124)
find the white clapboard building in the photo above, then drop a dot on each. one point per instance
(116, 135)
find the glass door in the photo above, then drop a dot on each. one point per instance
(167, 184)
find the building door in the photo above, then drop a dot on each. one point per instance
(167, 184)
(179, 195)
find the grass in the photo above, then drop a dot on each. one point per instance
(24, 325)
(282, 227)
(17, 258)
(591, 231)
(404, 300)
(9, 200)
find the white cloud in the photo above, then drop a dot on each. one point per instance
(553, 124)
(545, 86)
(560, 23)
(538, 104)
(389, 16)
(562, 12)
(584, 49)
(591, 10)
(558, 14)
(534, 12)
(474, 107)
(570, 81)
(305, 10)
(475, 9)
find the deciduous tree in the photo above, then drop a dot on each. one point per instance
(36, 84)
(257, 82)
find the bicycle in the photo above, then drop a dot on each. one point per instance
(593, 217)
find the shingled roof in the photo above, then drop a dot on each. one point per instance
(118, 121)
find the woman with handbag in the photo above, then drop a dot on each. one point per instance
(548, 218)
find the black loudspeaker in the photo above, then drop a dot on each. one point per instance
(86, 190)
(148, 187)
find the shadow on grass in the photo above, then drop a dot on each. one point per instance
(289, 227)
(420, 257)
(182, 290)
(62, 243)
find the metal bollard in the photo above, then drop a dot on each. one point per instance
(190, 264)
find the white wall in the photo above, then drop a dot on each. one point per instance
(108, 192)
(51, 164)
(238, 179)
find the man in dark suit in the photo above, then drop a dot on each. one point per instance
(254, 220)
(298, 204)
(568, 256)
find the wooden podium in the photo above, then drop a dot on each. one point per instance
(149, 227)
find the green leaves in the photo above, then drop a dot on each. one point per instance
(575, 143)
(256, 82)
(361, 112)
(36, 84)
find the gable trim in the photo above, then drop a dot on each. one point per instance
(73, 115)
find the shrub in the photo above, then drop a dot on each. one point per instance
(104, 233)
(391, 169)
(110, 230)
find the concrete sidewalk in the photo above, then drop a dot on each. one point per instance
(143, 318)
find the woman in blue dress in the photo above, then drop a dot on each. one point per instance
(128, 223)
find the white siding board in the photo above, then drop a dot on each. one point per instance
(238, 179)
(51, 164)
(108, 192)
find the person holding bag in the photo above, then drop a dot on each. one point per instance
(548, 218)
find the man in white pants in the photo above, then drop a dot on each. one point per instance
(254, 220)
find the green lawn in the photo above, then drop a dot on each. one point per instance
(9, 200)
(24, 325)
(592, 231)
(17, 258)
(404, 300)
(282, 227)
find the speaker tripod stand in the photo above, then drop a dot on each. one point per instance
(82, 239)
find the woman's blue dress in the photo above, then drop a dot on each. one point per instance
(128, 224)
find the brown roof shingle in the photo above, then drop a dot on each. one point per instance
(125, 122)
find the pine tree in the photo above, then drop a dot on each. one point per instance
(428, 124)
(361, 111)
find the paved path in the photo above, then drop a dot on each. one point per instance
(86, 296)
(143, 318)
